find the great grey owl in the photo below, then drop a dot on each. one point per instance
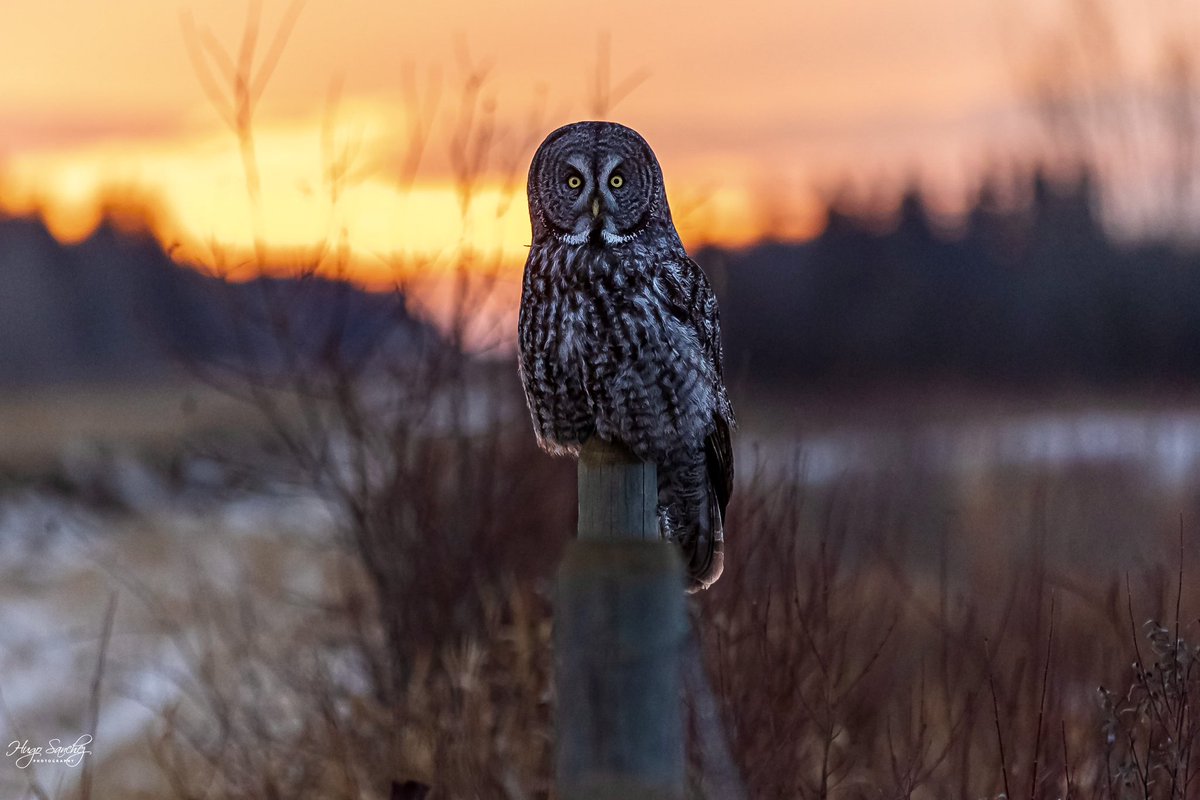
(619, 335)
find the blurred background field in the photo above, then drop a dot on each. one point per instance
(272, 522)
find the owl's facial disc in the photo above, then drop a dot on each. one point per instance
(595, 183)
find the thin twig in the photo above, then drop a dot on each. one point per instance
(1066, 757)
(85, 781)
(1037, 742)
(996, 718)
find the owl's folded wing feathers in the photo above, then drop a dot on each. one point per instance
(694, 303)
(718, 453)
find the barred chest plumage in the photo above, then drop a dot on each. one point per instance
(602, 352)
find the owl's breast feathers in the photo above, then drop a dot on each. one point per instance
(624, 343)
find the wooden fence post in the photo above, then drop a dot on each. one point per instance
(620, 626)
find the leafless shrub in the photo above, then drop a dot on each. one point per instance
(1151, 730)
(838, 668)
(298, 716)
(428, 660)
(845, 671)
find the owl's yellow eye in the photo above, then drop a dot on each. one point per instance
(616, 181)
(574, 181)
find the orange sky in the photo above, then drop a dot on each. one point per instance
(752, 109)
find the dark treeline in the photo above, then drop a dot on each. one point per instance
(1033, 295)
(115, 307)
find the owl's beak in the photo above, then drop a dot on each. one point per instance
(595, 207)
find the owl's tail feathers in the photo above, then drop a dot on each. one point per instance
(706, 555)
(706, 559)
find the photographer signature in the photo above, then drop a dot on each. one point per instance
(55, 752)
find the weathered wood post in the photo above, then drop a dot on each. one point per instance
(619, 631)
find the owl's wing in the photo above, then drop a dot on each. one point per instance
(694, 303)
(718, 457)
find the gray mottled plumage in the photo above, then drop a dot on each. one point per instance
(619, 334)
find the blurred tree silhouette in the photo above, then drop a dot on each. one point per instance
(1034, 294)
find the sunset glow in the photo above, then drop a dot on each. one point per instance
(196, 189)
(754, 116)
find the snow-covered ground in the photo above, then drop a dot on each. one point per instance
(62, 560)
(1167, 444)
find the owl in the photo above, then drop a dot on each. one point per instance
(619, 335)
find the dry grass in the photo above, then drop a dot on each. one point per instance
(266, 718)
(861, 675)
(902, 634)
(842, 664)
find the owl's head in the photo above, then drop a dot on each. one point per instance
(595, 182)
